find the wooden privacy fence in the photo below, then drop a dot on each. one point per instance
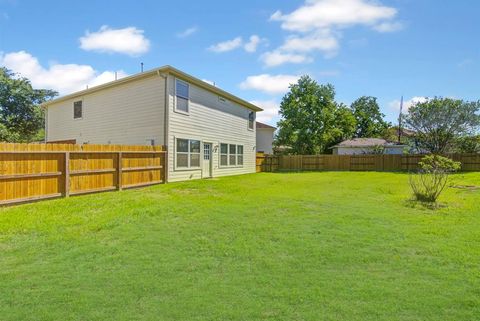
(270, 163)
(31, 172)
(266, 163)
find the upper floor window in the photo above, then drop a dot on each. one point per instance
(182, 96)
(251, 119)
(77, 110)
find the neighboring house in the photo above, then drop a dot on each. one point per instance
(208, 132)
(359, 146)
(265, 135)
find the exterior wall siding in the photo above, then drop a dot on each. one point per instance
(129, 114)
(212, 121)
(265, 140)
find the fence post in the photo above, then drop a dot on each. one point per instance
(119, 170)
(164, 157)
(67, 174)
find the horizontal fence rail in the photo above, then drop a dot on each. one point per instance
(30, 172)
(271, 163)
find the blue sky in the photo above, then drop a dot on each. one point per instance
(384, 48)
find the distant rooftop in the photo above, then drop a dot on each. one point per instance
(262, 125)
(365, 142)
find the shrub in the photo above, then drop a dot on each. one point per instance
(431, 179)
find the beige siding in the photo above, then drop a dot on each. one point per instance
(265, 140)
(131, 113)
(209, 120)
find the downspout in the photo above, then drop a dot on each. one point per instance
(166, 118)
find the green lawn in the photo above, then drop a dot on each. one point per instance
(298, 246)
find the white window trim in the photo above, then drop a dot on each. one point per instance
(73, 105)
(185, 169)
(228, 155)
(188, 98)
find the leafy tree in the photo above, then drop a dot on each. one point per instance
(370, 122)
(311, 119)
(467, 144)
(438, 122)
(21, 117)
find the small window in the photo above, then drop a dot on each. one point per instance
(188, 153)
(251, 119)
(77, 110)
(182, 96)
(232, 152)
(231, 155)
(239, 155)
(223, 154)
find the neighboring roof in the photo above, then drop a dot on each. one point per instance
(262, 125)
(366, 142)
(164, 69)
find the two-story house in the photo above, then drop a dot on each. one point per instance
(208, 132)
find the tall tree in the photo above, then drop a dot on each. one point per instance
(311, 119)
(438, 122)
(21, 117)
(370, 121)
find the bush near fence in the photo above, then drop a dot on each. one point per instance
(271, 163)
(31, 172)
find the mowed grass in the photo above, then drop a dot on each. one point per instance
(296, 246)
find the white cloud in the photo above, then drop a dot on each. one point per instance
(389, 26)
(252, 45)
(324, 14)
(270, 110)
(322, 40)
(395, 105)
(130, 41)
(64, 78)
(277, 58)
(228, 45)
(187, 32)
(317, 24)
(271, 84)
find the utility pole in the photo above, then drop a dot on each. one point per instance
(400, 121)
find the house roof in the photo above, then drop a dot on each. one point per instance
(262, 125)
(165, 69)
(365, 142)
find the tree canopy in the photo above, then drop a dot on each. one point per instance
(369, 119)
(312, 121)
(439, 122)
(21, 117)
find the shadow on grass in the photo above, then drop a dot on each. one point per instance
(301, 171)
(432, 206)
